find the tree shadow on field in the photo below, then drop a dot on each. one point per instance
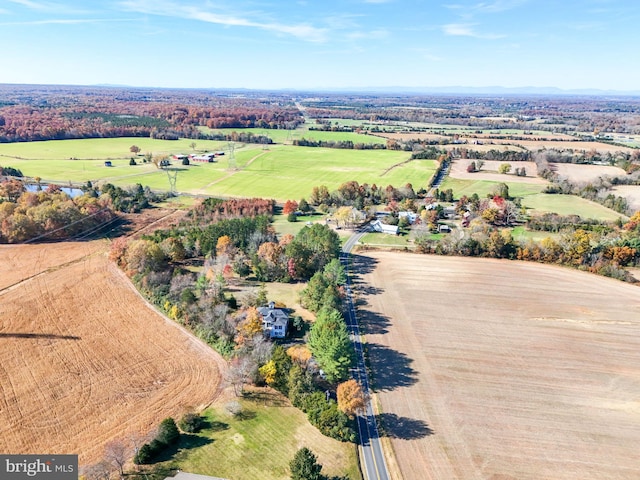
(390, 369)
(393, 426)
(214, 425)
(361, 265)
(373, 323)
(265, 397)
(187, 441)
(48, 336)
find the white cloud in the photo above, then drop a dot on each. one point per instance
(467, 30)
(371, 35)
(303, 31)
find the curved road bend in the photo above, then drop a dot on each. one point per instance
(375, 467)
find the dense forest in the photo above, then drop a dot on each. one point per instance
(30, 113)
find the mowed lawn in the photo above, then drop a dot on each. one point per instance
(262, 442)
(569, 205)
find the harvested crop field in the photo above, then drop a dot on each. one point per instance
(631, 193)
(489, 369)
(586, 173)
(489, 171)
(83, 359)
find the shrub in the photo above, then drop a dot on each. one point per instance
(168, 432)
(191, 423)
(292, 217)
(144, 455)
(132, 161)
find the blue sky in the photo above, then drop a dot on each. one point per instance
(308, 44)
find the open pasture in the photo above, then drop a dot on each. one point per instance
(502, 370)
(287, 172)
(83, 359)
(287, 136)
(280, 171)
(569, 205)
(101, 148)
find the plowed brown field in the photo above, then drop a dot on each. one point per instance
(83, 359)
(489, 369)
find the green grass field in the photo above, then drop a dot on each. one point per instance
(283, 226)
(281, 172)
(287, 136)
(261, 443)
(523, 235)
(484, 187)
(569, 205)
(287, 172)
(375, 239)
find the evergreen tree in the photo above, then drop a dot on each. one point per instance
(305, 466)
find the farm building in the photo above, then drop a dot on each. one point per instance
(179, 157)
(378, 226)
(204, 157)
(274, 321)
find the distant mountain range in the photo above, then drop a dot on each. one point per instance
(494, 90)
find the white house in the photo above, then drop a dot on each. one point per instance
(378, 226)
(410, 216)
(274, 321)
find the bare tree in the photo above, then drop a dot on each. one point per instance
(241, 371)
(117, 453)
(234, 408)
(97, 471)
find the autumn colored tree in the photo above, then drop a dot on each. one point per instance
(634, 222)
(504, 168)
(268, 372)
(250, 326)
(300, 354)
(352, 399)
(290, 206)
(223, 245)
(134, 149)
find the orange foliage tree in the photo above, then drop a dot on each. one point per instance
(352, 399)
(290, 206)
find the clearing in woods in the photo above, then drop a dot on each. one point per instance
(491, 369)
(83, 359)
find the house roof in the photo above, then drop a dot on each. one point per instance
(378, 226)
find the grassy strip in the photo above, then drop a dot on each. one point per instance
(260, 442)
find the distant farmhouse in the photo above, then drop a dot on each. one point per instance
(204, 157)
(378, 226)
(275, 321)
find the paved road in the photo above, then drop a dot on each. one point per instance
(372, 458)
